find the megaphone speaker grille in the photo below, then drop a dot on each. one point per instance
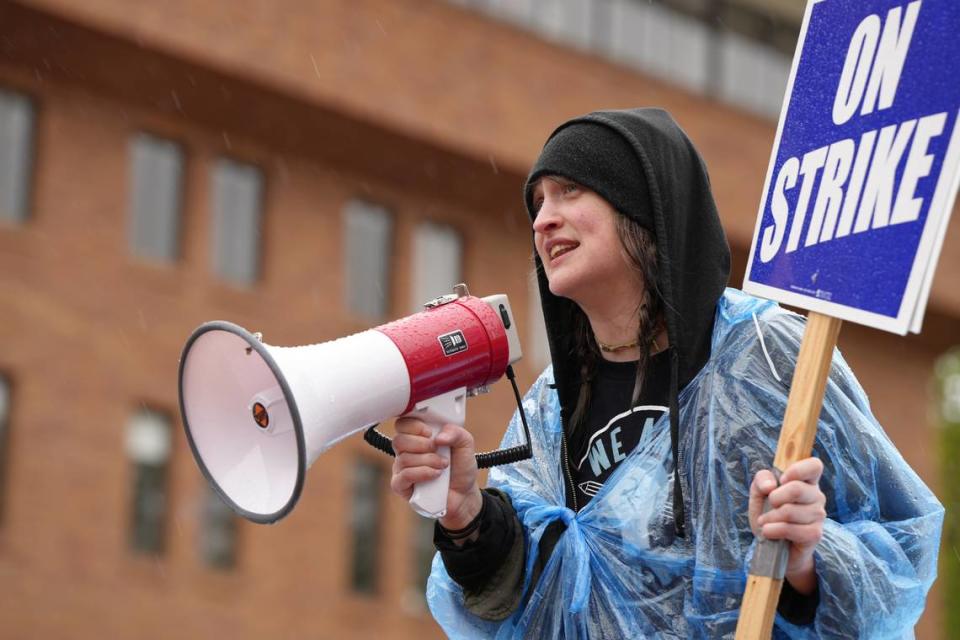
(242, 421)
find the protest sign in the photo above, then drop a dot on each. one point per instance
(861, 182)
(864, 169)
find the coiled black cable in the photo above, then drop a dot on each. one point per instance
(485, 460)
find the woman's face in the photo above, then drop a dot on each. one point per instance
(575, 235)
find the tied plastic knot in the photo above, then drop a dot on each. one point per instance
(571, 545)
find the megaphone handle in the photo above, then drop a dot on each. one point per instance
(429, 498)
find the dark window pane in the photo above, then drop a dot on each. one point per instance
(4, 439)
(218, 537)
(237, 194)
(437, 261)
(16, 155)
(149, 508)
(367, 237)
(148, 445)
(155, 197)
(365, 525)
(423, 551)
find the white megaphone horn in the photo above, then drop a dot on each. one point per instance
(257, 416)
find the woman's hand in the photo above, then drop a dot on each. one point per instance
(417, 461)
(797, 515)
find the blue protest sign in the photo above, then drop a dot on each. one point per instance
(864, 170)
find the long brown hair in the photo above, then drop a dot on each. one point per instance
(638, 247)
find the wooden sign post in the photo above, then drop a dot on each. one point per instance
(851, 225)
(759, 604)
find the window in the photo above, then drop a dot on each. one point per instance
(516, 11)
(148, 445)
(566, 21)
(661, 42)
(365, 525)
(155, 197)
(686, 60)
(16, 155)
(237, 194)
(754, 76)
(684, 42)
(218, 535)
(601, 25)
(368, 232)
(413, 599)
(634, 40)
(436, 262)
(423, 551)
(4, 438)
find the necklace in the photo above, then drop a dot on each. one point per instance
(613, 348)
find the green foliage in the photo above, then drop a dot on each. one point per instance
(948, 415)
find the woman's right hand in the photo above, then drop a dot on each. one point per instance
(417, 461)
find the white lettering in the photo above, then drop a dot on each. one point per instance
(863, 185)
(852, 198)
(812, 161)
(891, 54)
(616, 446)
(779, 209)
(907, 208)
(830, 195)
(878, 192)
(599, 462)
(856, 69)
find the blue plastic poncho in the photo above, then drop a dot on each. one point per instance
(618, 571)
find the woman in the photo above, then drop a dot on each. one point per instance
(651, 430)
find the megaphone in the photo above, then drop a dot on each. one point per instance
(257, 416)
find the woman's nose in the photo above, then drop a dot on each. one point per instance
(548, 218)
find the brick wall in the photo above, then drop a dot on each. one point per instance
(331, 100)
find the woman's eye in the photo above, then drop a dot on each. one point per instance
(570, 187)
(537, 203)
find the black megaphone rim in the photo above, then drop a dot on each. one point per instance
(253, 342)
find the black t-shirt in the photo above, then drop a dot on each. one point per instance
(612, 431)
(612, 428)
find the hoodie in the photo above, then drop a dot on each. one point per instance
(642, 162)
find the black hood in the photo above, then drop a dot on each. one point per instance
(677, 207)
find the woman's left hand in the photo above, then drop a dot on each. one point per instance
(797, 515)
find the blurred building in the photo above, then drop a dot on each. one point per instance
(310, 169)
